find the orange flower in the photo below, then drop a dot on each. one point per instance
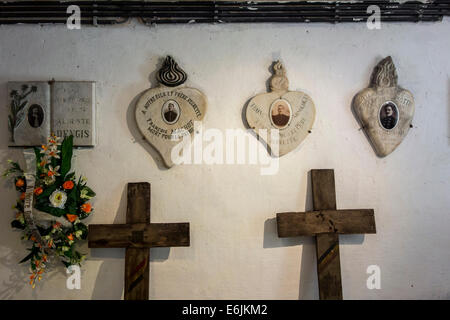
(37, 262)
(22, 196)
(50, 243)
(70, 237)
(57, 225)
(44, 258)
(50, 173)
(32, 238)
(32, 276)
(86, 207)
(68, 185)
(71, 217)
(20, 183)
(43, 163)
(38, 191)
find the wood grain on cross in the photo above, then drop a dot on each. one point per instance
(137, 236)
(326, 223)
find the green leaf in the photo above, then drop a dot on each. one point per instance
(90, 192)
(69, 176)
(38, 154)
(50, 210)
(46, 193)
(82, 227)
(16, 224)
(34, 250)
(28, 257)
(44, 231)
(66, 155)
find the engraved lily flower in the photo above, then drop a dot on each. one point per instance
(58, 199)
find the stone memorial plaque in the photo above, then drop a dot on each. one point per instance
(290, 112)
(385, 110)
(164, 114)
(29, 113)
(73, 111)
(37, 109)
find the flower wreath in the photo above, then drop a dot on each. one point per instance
(60, 202)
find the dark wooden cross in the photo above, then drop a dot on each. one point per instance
(326, 223)
(137, 236)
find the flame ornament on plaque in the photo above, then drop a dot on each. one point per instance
(166, 113)
(290, 112)
(385, 110)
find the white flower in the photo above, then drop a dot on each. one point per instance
(53, 152)
(58, 199)
(53, 171)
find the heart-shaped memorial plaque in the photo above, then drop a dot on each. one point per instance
(289, 113)
(384, 110)
(166, 113)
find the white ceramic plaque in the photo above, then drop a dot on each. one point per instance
(385, 110)
(292, 113)
(165, 113)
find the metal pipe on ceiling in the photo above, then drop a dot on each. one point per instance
(149, 12)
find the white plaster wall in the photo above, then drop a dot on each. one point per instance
(235, 252)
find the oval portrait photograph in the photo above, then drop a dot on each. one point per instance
(35, 115)
(388, 115)
(280, 113)
(170, 111)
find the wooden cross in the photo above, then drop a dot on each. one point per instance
(137, 236)
(326, 223)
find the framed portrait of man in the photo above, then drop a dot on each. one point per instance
(388, 115)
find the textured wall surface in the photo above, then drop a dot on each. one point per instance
(235, 252)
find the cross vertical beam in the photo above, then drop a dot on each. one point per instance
(137, 266)
(327, 244)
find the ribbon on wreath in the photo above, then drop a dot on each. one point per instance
(30, 160)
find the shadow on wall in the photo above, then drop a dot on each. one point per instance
(308, 286)
(109, 284)
(132, 125)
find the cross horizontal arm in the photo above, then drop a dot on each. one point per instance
(138, 235)
(293, 224)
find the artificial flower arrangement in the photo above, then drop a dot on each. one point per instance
(60, 202)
